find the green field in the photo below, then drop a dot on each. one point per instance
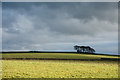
(59, 69)
(55, 55)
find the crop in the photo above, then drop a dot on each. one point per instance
(55, 55)
(59, 69)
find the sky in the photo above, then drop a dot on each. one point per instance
(60, 26)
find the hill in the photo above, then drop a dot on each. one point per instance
(56, 55)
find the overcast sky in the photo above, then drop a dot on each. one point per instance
(60, 26)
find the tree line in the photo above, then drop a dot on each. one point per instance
(86, 49)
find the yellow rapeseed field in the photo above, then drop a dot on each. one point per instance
(59, 69)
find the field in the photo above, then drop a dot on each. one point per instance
(59, 69)
(55, 55)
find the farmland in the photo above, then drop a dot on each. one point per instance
(59, 69)
(55, 55)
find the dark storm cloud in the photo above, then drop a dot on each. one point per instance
(28, 25)
(54, 15)
(82, 10)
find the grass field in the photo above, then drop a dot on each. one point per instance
(59, 69)
(55, 55)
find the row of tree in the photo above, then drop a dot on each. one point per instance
(86, 49)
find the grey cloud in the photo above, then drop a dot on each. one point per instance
(83, 10)
(56, 26)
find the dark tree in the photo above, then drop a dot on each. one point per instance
(86, 49)
(77, 48)
(92, 50)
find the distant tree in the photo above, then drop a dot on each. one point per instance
(92, 50)
(77, 48)
(86, 49)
